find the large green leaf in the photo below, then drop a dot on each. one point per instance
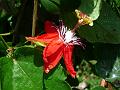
(6, 73)
(106, 28)
(20, 73)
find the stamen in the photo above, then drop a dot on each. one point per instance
(68, 36)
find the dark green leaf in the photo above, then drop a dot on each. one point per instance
(106, 55)
(51, 6)
(67, 6)
(106, 28)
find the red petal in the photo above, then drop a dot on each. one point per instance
(68, 60)
(52, 48)
(50, 27)
(52, 60)
(46, 38)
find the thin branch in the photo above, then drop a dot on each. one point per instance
(34, 17)
(3, 41)
(6, 34)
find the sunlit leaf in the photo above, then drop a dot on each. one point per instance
(91, 8)
(20, 73)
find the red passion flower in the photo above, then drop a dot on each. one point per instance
(58, 41)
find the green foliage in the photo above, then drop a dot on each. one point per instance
(20, 73)
(105, 29)
(56, 80)
(21, 68)
(15, 74)
(98, 88)
(85, 75)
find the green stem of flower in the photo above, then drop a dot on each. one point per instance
(34, 17)
(3, 41)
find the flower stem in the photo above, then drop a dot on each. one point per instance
(34, 17)
(79, 23)
(5, 44)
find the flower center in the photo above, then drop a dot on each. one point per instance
(68, 36)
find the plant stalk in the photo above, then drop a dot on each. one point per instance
(34, 17)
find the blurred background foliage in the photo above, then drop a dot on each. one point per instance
(21, 64)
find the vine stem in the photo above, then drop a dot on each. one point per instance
(34, 17)
(4, 42)
(5, 34)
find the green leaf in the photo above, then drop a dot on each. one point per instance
(115, 73)
(57, 85)
(117, 3)
(51, 6)
(58, 6)
(6, 73)
(91, 8)
(20, 72)
(57, 73)
(98, 88)
(106, 28)
(56, 79)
